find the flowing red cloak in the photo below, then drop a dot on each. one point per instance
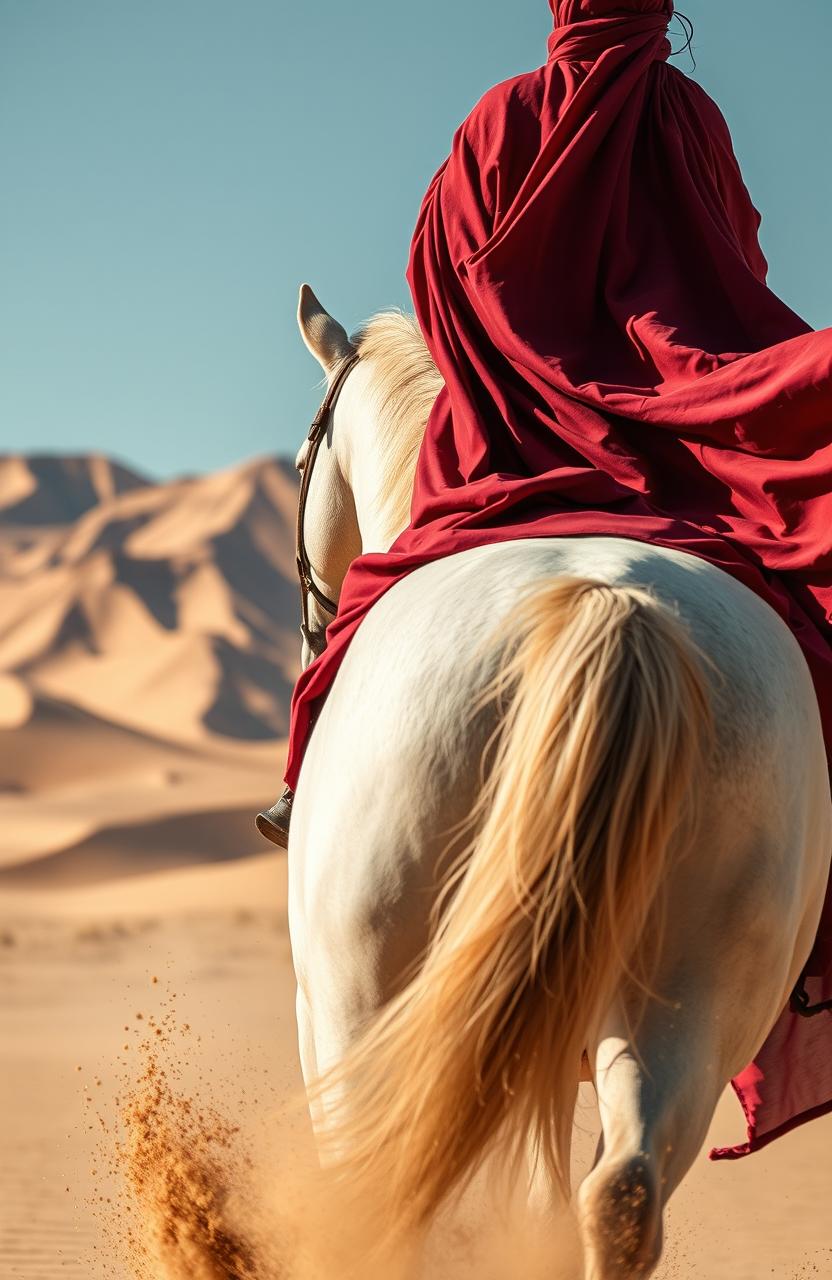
(588, 277)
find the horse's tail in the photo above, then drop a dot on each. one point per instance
(547, 912)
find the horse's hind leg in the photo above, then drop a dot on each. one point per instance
(656, 1099)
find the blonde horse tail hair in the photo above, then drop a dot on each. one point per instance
(604, 712)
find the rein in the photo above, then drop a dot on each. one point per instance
(317, 432)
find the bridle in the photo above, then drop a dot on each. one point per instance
(317, 432)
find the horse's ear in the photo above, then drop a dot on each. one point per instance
(324, 336)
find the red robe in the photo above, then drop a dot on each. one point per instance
(587, 275)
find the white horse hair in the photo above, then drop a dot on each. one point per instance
(621, 747)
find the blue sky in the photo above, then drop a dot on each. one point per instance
(172, 169)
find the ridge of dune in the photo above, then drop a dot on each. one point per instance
(49, 489)
(138, 848)
(88, 743)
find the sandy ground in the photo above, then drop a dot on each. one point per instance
(77, 966)
(75, 970)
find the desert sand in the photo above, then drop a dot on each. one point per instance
(147, 648)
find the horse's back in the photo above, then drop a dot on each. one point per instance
(395, 763)
(433, 634)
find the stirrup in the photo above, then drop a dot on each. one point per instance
(273, 823)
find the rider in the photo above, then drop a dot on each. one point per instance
(588, 278)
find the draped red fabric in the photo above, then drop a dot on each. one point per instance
(588, 277)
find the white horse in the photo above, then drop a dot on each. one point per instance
(633, 740)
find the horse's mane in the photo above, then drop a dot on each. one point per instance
(404, 382)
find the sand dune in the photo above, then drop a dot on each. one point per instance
(169, 607)
(148, 647)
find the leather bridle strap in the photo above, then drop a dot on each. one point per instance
(317, 433)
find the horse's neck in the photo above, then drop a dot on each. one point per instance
(380, 519)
